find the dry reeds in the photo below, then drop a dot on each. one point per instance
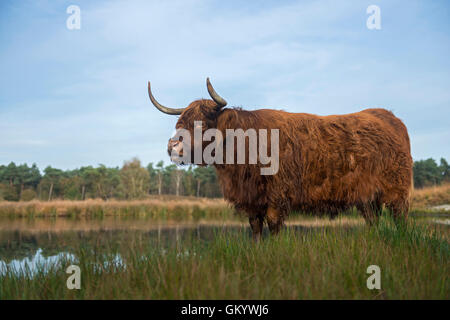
(180, 209)
(431, 196)
(171, 207)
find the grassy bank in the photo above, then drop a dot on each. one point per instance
(431, 196)
(186, 209)
(301, 263)
(173, 208)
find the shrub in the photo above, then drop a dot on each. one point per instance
(10, 193)
(28, 195)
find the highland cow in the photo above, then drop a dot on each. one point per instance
(327, 164)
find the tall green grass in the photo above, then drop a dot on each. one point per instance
(300, 263)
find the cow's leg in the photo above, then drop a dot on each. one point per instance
(371, 212)
(400, 210)
(274, 220)
(256, 223)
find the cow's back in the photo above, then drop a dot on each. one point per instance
(334, 162)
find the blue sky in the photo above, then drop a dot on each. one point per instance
(70, 98)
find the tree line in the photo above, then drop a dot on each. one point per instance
(133, 181)
(429, 173)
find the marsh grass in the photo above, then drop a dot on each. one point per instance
(186, 209)
(172, 208)
(301, 263)
(430, 196)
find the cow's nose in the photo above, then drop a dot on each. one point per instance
(172, 144)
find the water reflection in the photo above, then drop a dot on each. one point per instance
(26, 244)
(25, 251)
(29, 265)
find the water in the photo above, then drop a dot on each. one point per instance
(41, 243)
(29, 264)
(26, 244)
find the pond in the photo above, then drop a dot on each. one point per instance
(26, 244)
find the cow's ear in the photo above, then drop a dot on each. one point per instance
(213, 113)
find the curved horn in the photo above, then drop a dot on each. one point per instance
(160, 107)
(217, 99)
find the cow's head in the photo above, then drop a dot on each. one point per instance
(203, 110)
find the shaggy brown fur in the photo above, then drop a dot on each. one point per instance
(326, 163)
